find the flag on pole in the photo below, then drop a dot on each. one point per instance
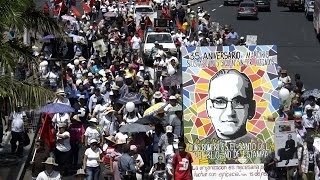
(179, 25)
(75, 11)
(165, 12)
(47, 132)
(86, 8)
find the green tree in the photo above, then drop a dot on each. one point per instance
(20, 15)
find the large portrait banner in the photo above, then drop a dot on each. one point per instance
(229, 93)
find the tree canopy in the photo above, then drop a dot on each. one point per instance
(18, 15)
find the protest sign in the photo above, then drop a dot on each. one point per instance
(139, 15)
(251, 39)
(286, 143)
(228, 94)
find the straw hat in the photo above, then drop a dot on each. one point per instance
(60, 92)
(120, 141)
(157, 95)
(50, 161)
(111, 139)
(76, 118)
(172, 98)
(80, 172)
(95, 120)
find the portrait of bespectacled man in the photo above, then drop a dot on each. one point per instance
(230, 103)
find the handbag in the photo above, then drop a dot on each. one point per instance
(26, 139)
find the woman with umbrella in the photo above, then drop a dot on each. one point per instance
(59, 118)
(63, 149)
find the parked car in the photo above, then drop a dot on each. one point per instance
(247, 9)
(263, 5)
(229, 2)
(144, 9)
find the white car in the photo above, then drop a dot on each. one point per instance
(143, 9)
(165, 39)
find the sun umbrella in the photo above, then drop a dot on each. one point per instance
(149, 120)
(68, 18)
(154, 109)
(313, 92)
(110, 14)
(173, 80)
(131, 128)
(56, 108)
(136, 98)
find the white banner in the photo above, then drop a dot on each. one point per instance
(229, 172)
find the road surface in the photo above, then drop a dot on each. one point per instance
(298, 48)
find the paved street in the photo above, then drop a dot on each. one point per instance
(298, 48)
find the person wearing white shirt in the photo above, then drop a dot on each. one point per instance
(93, 132)
(179, 35)
(52, 77)
(172, 103)
(63, 148)
(110, 8)
(136, 42)
(108, 122)
(312, 106)
(201, 14)
(59, 118)
(103, 8)
(49, 173)
(99, 110)
(92, 159)
(16, 125)
(139, 161)
(309, 122)
(94, 99)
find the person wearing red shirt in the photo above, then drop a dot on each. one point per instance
(182, 163)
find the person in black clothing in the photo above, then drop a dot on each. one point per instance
(288, 151)
(181, 14)
(270, 167)
(173, 14)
